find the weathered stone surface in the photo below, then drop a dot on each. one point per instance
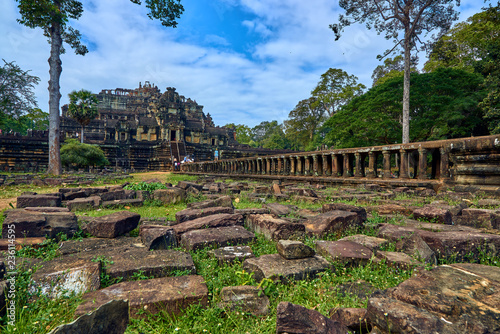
(64, 275)
(220, 201)
(229, 254)
(332, 222)
(25, 223)
(218, 220)
(246, 298)
(353, 318)
(113, 195)
(416, 247)
(347, 252)
(24, 201)
(69, 196)
(84, 203)
(280, 209)
(90, 244)
(479, 218)
(397, 259)
(217, 236)
(489, 202)
(294, 249)
(3, 304)
(345, 207)
(110, 318)
(296, 319)
(123, 203)
(158, 236)
(123, 262)
(372, 243)
(171, 295)
(185, 185)
(190, 214)
(432, 213)
(277, 268)
(459, 245)
(275, 188)
(170, 195)
(460, 298)
(19, 243)
(113, 225)
(252, 211)
(388, 209)
(274, 228)
(46, 209)
(454, 209)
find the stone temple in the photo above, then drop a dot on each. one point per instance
(138, 129)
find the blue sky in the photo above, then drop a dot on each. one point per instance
(245, 61)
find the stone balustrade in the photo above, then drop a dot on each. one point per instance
(465, 160)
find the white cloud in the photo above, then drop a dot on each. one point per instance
(294, 47)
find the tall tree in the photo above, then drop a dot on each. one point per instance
(82, 107)
(335, 89)
(303, 120)
(403, 22)
(53, 17)
(393, 67)
(16, 91)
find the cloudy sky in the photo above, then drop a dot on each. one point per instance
(245, 61)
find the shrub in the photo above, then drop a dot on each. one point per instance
(80, 155)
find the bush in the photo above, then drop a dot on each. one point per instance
(76, 154)
(146, 186)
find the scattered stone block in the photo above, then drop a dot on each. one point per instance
(171, 295)
(185, 185)
(90, 244)
(24, 201)
(218, 220)
(217, 236)
(347, 252)
(332, 222)
(158, 237)
(274, 228)
(20, 243)
(86, 203)
(63, 276)
(229, 254)
(280, 209)
(275, 188)
(69, 196)
(46, 209)
(389, 209)
(252, 211)
(190, 214)
(345, 207)
(291, 318)
(246, 298)
(113, 225)
(122, 203)
(294, 249)
(170, 195)
(26, 224)
(353, 318)
(479, 218)
(433, 214)
(455, 298)
(113, 195)
(416, 247)
(110, 318)
(489, 202)
(373, 243)
(277, 268)
(220, 201)
(398, 260)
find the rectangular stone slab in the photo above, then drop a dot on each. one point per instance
(168, 294)
(274, 228)
(218, 220)
(218, 236)
(277, 268)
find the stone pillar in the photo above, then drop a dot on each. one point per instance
(359, 167)
(286, 166)
(403, 165)
(280, 166)
(292, 165)
(307, 166)
(335, 165)
(387, 164)
(422, 163)
(299, 166)
(347, 165)
(445, 161)
(372, 163)
(315, 164)
(326, 171)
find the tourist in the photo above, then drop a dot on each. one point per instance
(216, 155)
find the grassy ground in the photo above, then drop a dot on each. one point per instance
(38, 314)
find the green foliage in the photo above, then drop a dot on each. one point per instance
(35, 119)
(444, 104)
(146, 186)
(82, 107)
(76, 154)
(392, 68)
(303, 121)
(107, 280)
(243, 133)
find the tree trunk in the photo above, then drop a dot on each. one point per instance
(54, 98)
(81, 139)
(406, 88)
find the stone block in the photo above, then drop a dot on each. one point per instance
(38, 200)
(434, 214)
(353, 318)
(246, 298)
(229, 254)
(69, 196)
(281, 209)
(25, 224)
(170, 195)
(225, 201)
(345, 207)
(274, 228)
(113, 225)
(372, 243)
(113, 195)
(217, 236)
(90, 244)
(398, 260)
(277, 268)
(479, 218)
(346, 252)
(332, 222)
(170, 295)
(158, 237)
(87, 203)
(416, 247)
(185, 185)
(190, 214)
(110, 318)
(20, 243)
(218, 220)
(294, 249)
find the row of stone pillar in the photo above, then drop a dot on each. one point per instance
(335, 164)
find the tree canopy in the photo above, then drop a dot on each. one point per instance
(445, 105)
(82, 107)
(403, 22)
(79, 155)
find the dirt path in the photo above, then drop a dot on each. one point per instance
(150, 175)
(4, 203)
